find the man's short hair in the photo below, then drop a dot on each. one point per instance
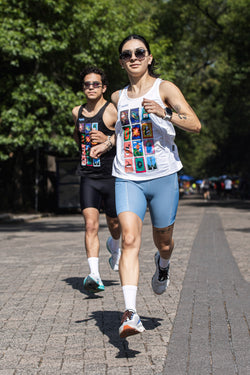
(96, 70)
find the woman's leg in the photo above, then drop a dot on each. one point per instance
(131, 207)
(131, 227)
(163, 239)
(163, 207)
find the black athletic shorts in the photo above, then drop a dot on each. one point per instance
(98, 193)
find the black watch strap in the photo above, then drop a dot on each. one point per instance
(168, 115)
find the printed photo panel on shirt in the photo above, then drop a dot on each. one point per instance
(144, 114)
(134, 115)
(149, 146)
(88, 128)
(87, 148)
(81, 127)
(89, 161)
(151, 163)
(96, 162)
(129, 168)
(140, 165)
(87, 139)
(147, 130)
(83, 160)
(137, 148)
(136, 131)
(127, 133)
(128, 152)
(124, 117)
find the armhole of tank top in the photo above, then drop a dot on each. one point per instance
(120, 95)
(160, 81)
(106, 104)
(80, 111)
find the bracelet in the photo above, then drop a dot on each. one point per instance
(109, 144)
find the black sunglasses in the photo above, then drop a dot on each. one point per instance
(95, 84)
(140, 54)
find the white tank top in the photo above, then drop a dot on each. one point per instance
(145, 147)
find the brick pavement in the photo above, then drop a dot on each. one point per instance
(49, 325)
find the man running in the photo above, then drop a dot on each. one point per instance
(95, 123)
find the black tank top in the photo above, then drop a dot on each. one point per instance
(94, 168)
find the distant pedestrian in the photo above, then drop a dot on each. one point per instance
(205, 188)
(228, 187)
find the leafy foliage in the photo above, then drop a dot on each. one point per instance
(201, 45)
(211, 42)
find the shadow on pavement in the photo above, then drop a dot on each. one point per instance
(108, 323)
(55, 226)
(77, 283)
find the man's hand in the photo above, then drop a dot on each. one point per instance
(97, 136)
(98, 150)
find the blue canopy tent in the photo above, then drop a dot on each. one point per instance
(185, 177)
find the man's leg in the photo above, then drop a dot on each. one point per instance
(93, 281)
(113, 242)
(114, 227)
(91, 219)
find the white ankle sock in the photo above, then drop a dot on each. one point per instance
(94, 265)
(129, 293)
(163, 263)
(114, 244)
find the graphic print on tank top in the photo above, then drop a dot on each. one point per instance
(86, 144)
(138, 138)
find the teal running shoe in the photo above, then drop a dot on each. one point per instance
(93, 284)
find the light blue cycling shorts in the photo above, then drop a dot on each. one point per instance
(161, 195)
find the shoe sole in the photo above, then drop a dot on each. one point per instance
(116, 268)
(92, 288)
(129, 331)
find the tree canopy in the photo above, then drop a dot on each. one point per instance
(201, 45)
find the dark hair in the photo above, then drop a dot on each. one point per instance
(152, 66)
(96, 70)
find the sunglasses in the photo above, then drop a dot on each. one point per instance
(140, 54)
(95, 84)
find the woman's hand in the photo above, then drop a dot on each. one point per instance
(152, 107)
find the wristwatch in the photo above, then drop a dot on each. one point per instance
(168, 114)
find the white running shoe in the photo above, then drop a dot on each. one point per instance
(130, 324)
(93, 284)
(160, 280)
(115, 255)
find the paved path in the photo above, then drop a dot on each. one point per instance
(49, 325)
